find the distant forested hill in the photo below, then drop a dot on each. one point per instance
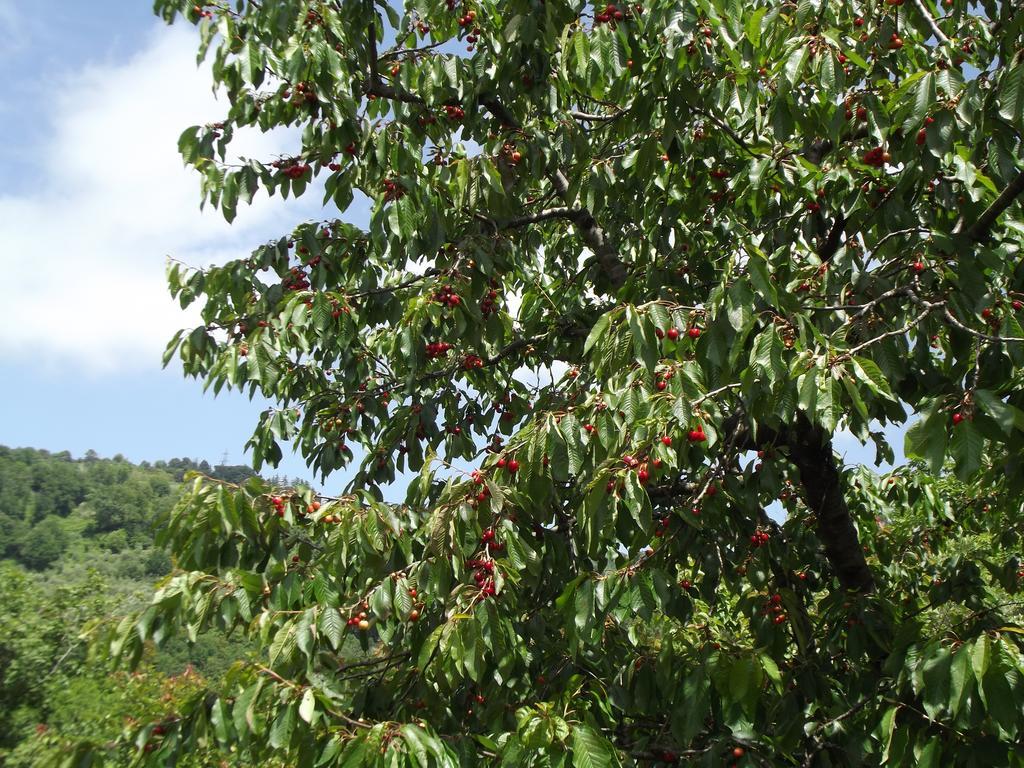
(52, 504)
(76, 550)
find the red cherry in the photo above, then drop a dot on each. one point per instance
(918, 266)
(1017, 305)
(694, 332)
(512, 466)
(643, 475)
(957, 418)
(738, 752)
(666, 440)
(660, 386)
(502, 461)
(673, 333)
(858, 22)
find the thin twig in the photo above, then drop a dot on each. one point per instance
(930, 21)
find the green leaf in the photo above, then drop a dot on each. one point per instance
(307, 708)
(981, 656)
(584, 602)
(331, 626)
(869, 373)
(600, 329)
(959, 680)
(590, 749)
(1011, 96)
(966, 447)
(926, 439)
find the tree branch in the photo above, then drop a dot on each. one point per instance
(930, 21)
(570, 214)
(980, 230)
(810, 449)
(613, 272)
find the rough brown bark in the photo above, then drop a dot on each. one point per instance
(810, 449)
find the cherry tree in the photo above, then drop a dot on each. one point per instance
(628, 271)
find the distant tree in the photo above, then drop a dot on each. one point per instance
(127, 505)
(12, 533)
(43, 544)
(59, 487)
(233, 473)
(16, 495)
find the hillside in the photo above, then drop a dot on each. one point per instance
(76, 551)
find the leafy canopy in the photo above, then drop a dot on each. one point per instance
(610, 253)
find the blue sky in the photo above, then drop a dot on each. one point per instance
(92, 201)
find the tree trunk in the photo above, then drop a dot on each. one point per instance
(811, 450)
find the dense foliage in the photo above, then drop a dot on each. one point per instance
(627, 271)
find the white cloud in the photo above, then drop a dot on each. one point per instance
(83, 251)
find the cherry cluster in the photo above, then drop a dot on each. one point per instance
(696, 435)
(393, 190)
(475, 499)
(773, 607)
(876, 157)
(860, 113)
(293, 169)
(613, 13)
(438, 349)
(487, 304)
(922, 135)
(510, 465)
(302, 93)
(339, 309)
(511, 154)
(454, 112)
(200, 13)
(471, 362)
(483, 573)
(297, 280)
(361, 620)
(759, 538)
(278, 504)
(446, 295)
(643, 473)
(505, 408)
